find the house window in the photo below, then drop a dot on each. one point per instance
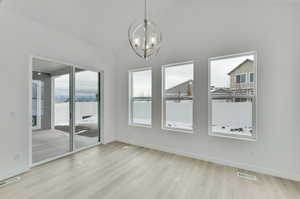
(251, 77)
(241, 78)
(232, 107)
(177, 96)
(140, 97)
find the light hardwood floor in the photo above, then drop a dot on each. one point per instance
(121, 171)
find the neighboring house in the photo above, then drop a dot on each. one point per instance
(242, 84)
(222, 94)
(242, 78)
(181, 91)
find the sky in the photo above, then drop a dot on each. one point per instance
(142, 83)
(85, 80)
(220, 68)
(174, 75)
(178, 74)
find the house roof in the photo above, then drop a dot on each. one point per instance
(221, 91)
(247, 60)
(182, 86)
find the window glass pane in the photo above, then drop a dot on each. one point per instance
(238, 79)
(231, 96)
(87, 104)
(141, 83)
(251, 77)
(243, 78)
(142, 112)
(141, 97)
(178, 96)
(179, 114)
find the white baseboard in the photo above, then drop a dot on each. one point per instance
(258, 169)
(14, 173)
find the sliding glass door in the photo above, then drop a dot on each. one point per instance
(65, 109)
(50, 110)
(87, 131)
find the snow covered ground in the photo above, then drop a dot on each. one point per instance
(244, 131)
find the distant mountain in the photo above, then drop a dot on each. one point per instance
(62, 95)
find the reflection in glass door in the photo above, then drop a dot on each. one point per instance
(50, 110)
(87, 106)
(37, 102)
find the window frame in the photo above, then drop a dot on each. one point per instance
(254, 136)
(163, 101)
(130, 101)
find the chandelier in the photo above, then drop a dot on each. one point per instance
(144, 37)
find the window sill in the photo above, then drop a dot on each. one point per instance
(178, 130)
(140, 125)
(232, 136)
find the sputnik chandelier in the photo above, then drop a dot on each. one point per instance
(144, 37)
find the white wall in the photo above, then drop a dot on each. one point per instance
(195, 31)
(20, 38)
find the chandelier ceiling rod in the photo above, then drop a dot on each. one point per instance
(146, 30)
(145, 13)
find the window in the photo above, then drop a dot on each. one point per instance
(251, 77)
(232, 105)
(177, 96)
(140, 97)
(241, 78)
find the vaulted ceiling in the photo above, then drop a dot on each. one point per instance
(105, 22)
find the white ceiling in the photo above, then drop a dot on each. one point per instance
(105, 22)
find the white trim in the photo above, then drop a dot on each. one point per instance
(140, 125)
(249, 167)
(178, 130)
(140, 69)
(52, 102)
(163, 101)
(254, 136)
(14, 173)
(30, 112)
(130, 90)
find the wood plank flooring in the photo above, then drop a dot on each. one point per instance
(121, 171)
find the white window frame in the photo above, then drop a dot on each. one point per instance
(254, 136)
(163, 101)
(130, 92)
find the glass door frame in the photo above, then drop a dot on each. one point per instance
(72, 107)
